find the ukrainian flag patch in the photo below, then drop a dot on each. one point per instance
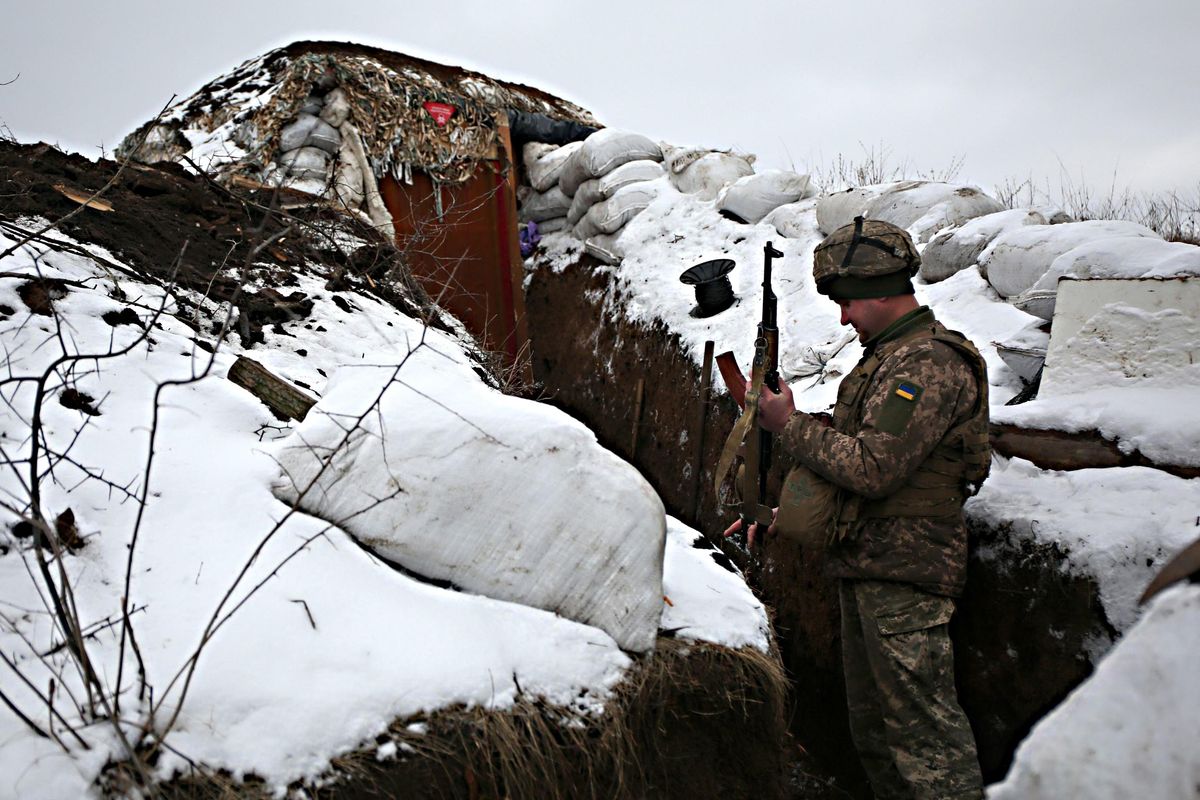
(906, 391)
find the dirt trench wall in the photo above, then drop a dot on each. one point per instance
(1023, 631)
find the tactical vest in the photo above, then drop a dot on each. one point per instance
(952, 472)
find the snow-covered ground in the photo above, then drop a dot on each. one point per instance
(331, 645)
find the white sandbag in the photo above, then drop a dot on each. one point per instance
(753, 197)
(376, 210)
(348, 186)
(958, 249)
(604, 151)
(549, 226)
(605, 247)
(310, 131)
(500, 496)
(925, 207)
(305, 163)
(1112, 257)
(643, 169)
(795, 220)
(840, 208)
(544, 205)
(312, 105)
(1015, 259)
(544, 162)
(708, 175)
(611, 214)
(337, 107)
(586, 196)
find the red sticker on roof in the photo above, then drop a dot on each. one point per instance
(441, 112)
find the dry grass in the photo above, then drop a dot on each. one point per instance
(650, 741)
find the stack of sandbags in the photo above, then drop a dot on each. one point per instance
(601, 227)
(596, 190)
(921, 207)
(321, 152)
(601, 153)
(704, 172)
(1110, 257)
(751, 198)
(1018, 257)
(546, 204)
(958, 249)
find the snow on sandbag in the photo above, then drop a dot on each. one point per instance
(305, 163)
(348, 181)
(337, 107)
(500, 496)
(604, 151)
(544, 205)
(925, 207)
(753, 197)
(1114, 257)
(310, 131)
(1015, 259)
(610, 215)
(958, 249)
(544, 162)
(707, 175)
(840, 208)
(795, 220)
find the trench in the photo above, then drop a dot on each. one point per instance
(1023, 631)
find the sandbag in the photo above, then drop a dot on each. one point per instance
(602, 152)
(925, 207)
(544, 162)
(806, 506)
(305, 163)
(586, 196)
(1017, 258)
(840, 208)
(605, 247)
(795, 220)
(348, 182)
(310, 131)
(609, 215)
(955, 250)
(1110, 257)
(753, 197)
(549, 226)
(544, 205)
(709, 174)
(337, 107)
(643, 169)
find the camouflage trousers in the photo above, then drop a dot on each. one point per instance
(911, 734)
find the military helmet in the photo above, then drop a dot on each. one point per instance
(867, 258)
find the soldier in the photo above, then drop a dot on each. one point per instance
(907, 445)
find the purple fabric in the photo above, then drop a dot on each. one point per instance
(529, 239)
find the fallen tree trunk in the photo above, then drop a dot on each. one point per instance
(284, 399)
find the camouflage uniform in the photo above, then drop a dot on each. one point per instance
(895, 451)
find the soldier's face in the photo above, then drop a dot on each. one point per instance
(867, 316)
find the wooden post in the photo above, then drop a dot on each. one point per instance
(638, 398)
(698, 428)
(284, 400)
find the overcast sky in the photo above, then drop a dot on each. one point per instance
(1016, 89)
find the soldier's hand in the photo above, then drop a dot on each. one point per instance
(752, 534)
(774, 409)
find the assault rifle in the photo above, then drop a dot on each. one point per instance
(755, 443)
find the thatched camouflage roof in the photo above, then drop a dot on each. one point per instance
(239, 115)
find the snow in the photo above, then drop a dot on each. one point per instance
(1116, 526)
(318, 646)
(1129, 731)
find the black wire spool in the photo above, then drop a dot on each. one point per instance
(714, 293)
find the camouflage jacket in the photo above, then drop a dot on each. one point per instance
(900, 439)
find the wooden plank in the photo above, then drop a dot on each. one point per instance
(284, 399)
(698, 428)
(1050, 449)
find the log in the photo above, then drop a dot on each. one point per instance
(1049, 449)
(284, 399)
